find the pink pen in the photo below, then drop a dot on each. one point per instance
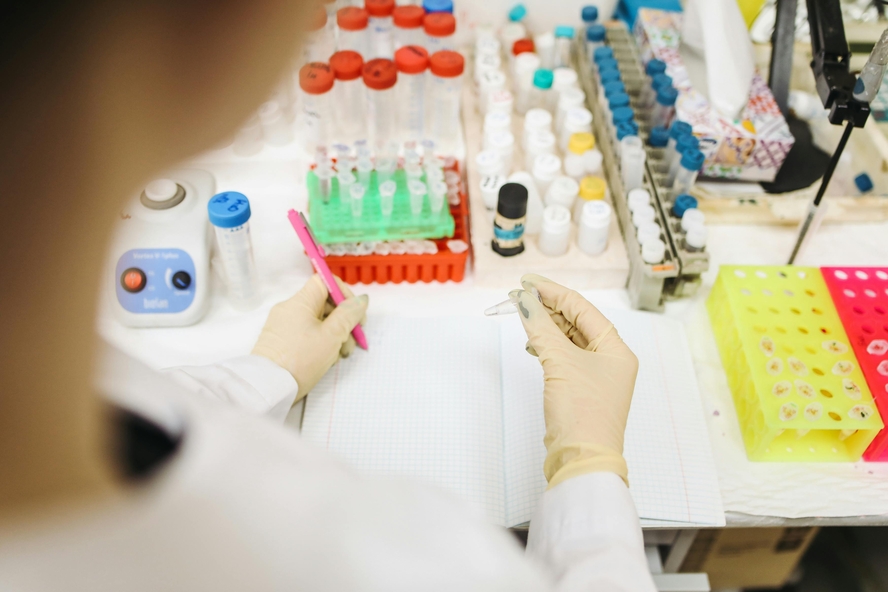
(316, 256)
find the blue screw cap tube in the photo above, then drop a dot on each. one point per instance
(626, 129)
(684, 144)
(623, 115)
(609, 75)
(229, 212)
(543, 78)
(517, 13)
(564, 31)
(540, 91)
(617, 100)
(595, 34)
(615, 86)
(229, 209)
(655, 67)
(676, 130)
(664, 107)
(602, 53)
(658, 137)
(691, 162)
(437, 6)
(589, 14)
(608, 64)
(649, 93)
(683, 203)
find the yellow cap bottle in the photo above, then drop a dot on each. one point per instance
(591, 188)
(581, 142)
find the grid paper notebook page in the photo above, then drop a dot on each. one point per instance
(672, 474)
(479, 432)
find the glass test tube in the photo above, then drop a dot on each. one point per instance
(229, 213)
(412, 62)
(316, 81)
(444, 100)
(348, 96)
(380, 76)
(380, 27)
(353, 30)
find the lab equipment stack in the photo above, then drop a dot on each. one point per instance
(633, 106)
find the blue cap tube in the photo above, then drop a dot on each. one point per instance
(609, 75)
(543, 78)
(517, 13)
(437, 6)
(612, 87)
(618, 100)
(679, 128)
(666, 96)
(623, 115)
(659, 137)
(692, 160)
(601, 53)
(683, 203)
(229, 209)
(655, 67)
(564, 31)
(589, 14)
(661, 80)
(626, 129)
(687, 142)
(595, 34)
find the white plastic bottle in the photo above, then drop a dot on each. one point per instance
(536, 120)
(555, 232)
(316, 81)
(545, 168)
(575, 160)
(525, 65)
(412, 62)
(563, 191)
(594, 224)
(576, 120)
(534, 221)
(541, 142)
(229, 214)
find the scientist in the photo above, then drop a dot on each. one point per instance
(185, 482)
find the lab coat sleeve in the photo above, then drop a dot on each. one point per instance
(586, 532)
(252, 383)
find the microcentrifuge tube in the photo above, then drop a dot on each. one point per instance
(437, 194)
(356, 192)
(417, 191)
(387, 197)
(385, 169)
(324, 175)
(414, 171)
(365, 167)
(346, 180)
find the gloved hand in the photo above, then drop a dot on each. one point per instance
(589, 378)
(306, 334)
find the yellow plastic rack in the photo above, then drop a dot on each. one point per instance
(798, 389)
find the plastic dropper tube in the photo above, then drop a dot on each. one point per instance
(632, 162)
(594, 38)
(418, 192)
(387, 198)
(687, 172)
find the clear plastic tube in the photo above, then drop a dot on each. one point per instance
(349, 98)
(444, 99)
(632, 158)
(418, 192)
(382, 44)
(437, 195)
(325, 176)
(235, 249)
(356, 193)
(411, 93)
(687, 173)
(525, 65)
(365, 168)
(380, 77)
(594, 225)
(387, 198)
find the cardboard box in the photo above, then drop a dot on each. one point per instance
(753, 147)
(747, 557)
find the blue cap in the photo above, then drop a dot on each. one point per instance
(683, 203)
(617, 100)
(612, 87)
(687, 142)
(229, 210)
(601, 53)
(626, 129)
(864, 182)
(679, 129)
(437, 5)
(666, 96)
(517, 13)
(595, 33)
(659, 137)
(543, 78)
(655, 67)
(609, 75)
(608, 64)
(661, 80)
(623, 115)
(564, 31)
(692, 160)
(589, 14)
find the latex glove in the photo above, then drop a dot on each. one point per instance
(589, 376)
(307, 334)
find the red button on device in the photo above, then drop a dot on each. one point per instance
(133, 280)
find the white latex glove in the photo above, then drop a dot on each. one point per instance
(589, 376)
(306, 334)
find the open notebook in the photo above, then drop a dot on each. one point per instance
(458, 402)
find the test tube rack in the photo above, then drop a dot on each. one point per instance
(332, 220)
(679, 275)
(860, 295)
(447, 264)
(798, 389)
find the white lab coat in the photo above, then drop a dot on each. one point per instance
(245, 504)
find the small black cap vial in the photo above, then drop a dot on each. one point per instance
(508, 224)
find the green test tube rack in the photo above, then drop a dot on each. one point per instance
(332, 220)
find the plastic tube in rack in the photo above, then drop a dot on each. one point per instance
(324, 175)
(356, 192)
(687, 172)
(417, 191)
(387, 198)
(437, 194)
(632, 162)
(365, 167)
(346, 180)
(385, 169)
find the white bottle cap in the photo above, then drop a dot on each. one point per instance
(490, 187)
(487, 46)
(570, 98)
(638, 197)
(500, 101)
(556, 220)
(486, 63)
(488, 162)
(649, 231)
(501, 141)
(653, 251)
(526, 63)
(541, 142)
(578, 117)
(642, 214)
(537, 120)
(544, 41)
(563, 192)
(593, 159)
(574, 165)
(563, 79)
(596, 214)
(546, 166)
(492, 80)
(696, 236)
(692, 217)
